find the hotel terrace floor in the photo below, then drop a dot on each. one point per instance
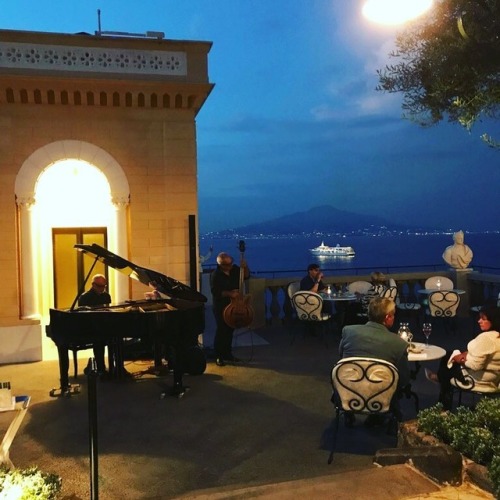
(259, 429)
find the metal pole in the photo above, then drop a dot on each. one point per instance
(193, 247)
(91, 372)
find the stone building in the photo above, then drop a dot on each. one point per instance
(97, 144)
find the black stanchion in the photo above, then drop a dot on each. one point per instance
(91, 372)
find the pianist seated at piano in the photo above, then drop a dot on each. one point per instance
(169, 319)
(97, 296)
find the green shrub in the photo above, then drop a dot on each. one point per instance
(28, 484)
(494, 472)
(474, 433)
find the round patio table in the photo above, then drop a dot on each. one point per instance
(429, 353)
(342, 299)
(428, 291)
(337, 297)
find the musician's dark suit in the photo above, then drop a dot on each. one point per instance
(374, 340)
(93, 298)
(222, 282)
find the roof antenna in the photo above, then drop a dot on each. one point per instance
(98, 21)
(159, 35)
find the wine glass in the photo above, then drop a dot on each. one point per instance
(427, 330)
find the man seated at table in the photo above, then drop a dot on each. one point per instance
(374, 340)
(312, 282)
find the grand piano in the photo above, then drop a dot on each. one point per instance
(171, 322)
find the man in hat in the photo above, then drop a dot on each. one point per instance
(312, 281)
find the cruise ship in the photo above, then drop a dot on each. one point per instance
(336, 251)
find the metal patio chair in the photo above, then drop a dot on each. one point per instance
(364, 386)
(308, 306)
(443, 306)
(469, 386)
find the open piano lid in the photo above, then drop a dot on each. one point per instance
(164, 284)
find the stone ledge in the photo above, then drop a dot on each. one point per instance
(440, 463)
(428, 455)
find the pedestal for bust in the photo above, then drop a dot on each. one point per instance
(459, 277)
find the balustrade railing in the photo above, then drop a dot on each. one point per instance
(272, 305)
(272, 292)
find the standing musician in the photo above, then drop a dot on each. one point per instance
(224, 284)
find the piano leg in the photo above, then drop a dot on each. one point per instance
(66, 389)
(117, 359)
(63, 353)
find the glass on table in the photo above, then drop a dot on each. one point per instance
(404, 332)
(427, 330)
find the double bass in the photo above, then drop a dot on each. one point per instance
(239, 312)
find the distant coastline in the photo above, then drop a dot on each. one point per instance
(382, 231)
(329, 222)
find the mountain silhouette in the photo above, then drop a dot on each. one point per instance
(322, 219)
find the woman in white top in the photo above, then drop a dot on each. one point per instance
(481, 360)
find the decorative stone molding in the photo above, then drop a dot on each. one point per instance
(92, 59)
(120, 201)
(25, 202)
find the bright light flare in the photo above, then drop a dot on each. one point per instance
(73, 192)
(393, 12)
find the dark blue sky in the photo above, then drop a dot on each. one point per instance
(294, 121)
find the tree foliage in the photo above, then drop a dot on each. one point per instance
(448, 65)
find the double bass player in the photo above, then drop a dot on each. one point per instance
(225, 287)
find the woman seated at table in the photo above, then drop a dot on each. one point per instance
(481, 361)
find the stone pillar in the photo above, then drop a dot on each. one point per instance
(257, 289)
(29, 284)
(119, 244)
(460, 278)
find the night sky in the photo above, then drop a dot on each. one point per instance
(294, 121)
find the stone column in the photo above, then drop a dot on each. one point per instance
(29, 283)
(119, 240)
(460, 278)
(257, 289)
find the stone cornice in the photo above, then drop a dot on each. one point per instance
(44, 90)
(29, 56)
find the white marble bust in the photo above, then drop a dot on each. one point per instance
(459, 255)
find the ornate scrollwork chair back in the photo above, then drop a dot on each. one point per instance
(308, 306)
(363, 386)
(443, 304)
(390, 293)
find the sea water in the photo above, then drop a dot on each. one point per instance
(388, 253)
